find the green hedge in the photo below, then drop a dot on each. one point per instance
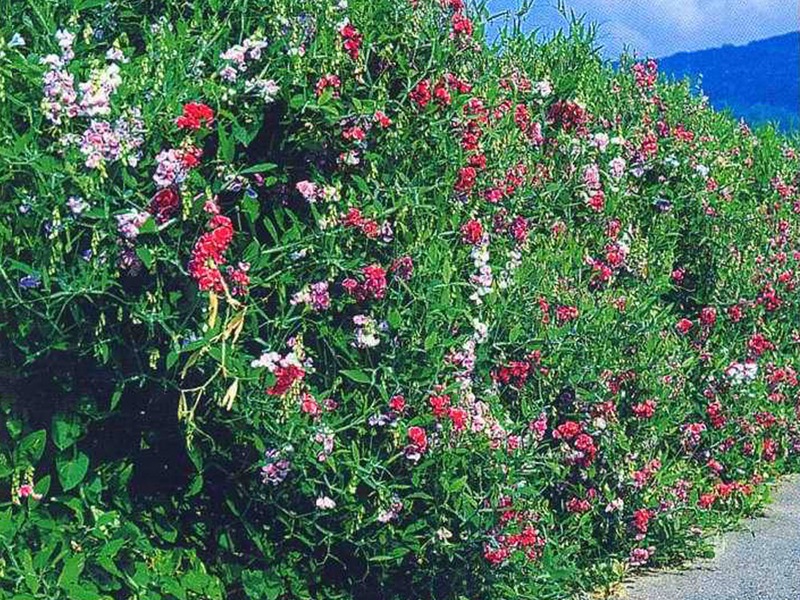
(337, 300)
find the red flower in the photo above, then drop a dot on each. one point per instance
(567, 430)
(459, 418)
(441, 95)
(472, 232)
(352, 40)
(354, 133)
(578, 505)
(466, 179)
(403, 267)
(683, 326)
(208, 255)
(286, 377)
(418, 438)
(164, 204)
(708, 316)
(421, 94)
(566, 313)
(641, 520)
(195, 115)
(461, 25)
(397, 403)
(309, 405)
(328, 81)
(375, 281)
(381, 119)
(707, 500)
(439, 405)
(644, 410)
(758, 344)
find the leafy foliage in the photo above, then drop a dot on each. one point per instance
(305, 299)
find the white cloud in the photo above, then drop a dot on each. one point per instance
(663, 27)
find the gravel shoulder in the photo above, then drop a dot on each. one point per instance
(760, 561)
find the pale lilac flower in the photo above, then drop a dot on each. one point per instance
(129, 223)
(277, 468)
(65, 40)
(96, 93)
(229, 74)
(320, 297)
(99, 143)
(60, 98)
(327, 440)
(170, 168)
(591, 177)
(740, 373)
(390, 514)
(115, 54)
(366, 332)
(600, 141)
(315, 295)
(267, 89)
(77, 205)
(617, 167)
(235, 54)
(16, 41)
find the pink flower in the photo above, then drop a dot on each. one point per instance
(308, 190)
(640, 556)
(309, 405)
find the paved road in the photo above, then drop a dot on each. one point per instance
(760, 562)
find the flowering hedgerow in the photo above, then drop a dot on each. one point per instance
(344, 302)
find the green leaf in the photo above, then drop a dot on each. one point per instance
(260, 168)
(146, 256)
(31, 448)
(357, 375)
(116, 396)
(5, 466)
(260, 585)
(66, 431)
(251, 207)
(149, 226)
(73, 567)
(72, 472)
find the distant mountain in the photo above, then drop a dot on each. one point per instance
(759, 82)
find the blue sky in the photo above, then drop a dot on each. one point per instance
(663, 27)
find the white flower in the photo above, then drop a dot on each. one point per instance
(543, 88)
(115, 54)
(481, 333)
(268, 359)
(600, 141)
(742, 372)
(325, 503)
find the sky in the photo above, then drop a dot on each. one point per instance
(662, 27)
